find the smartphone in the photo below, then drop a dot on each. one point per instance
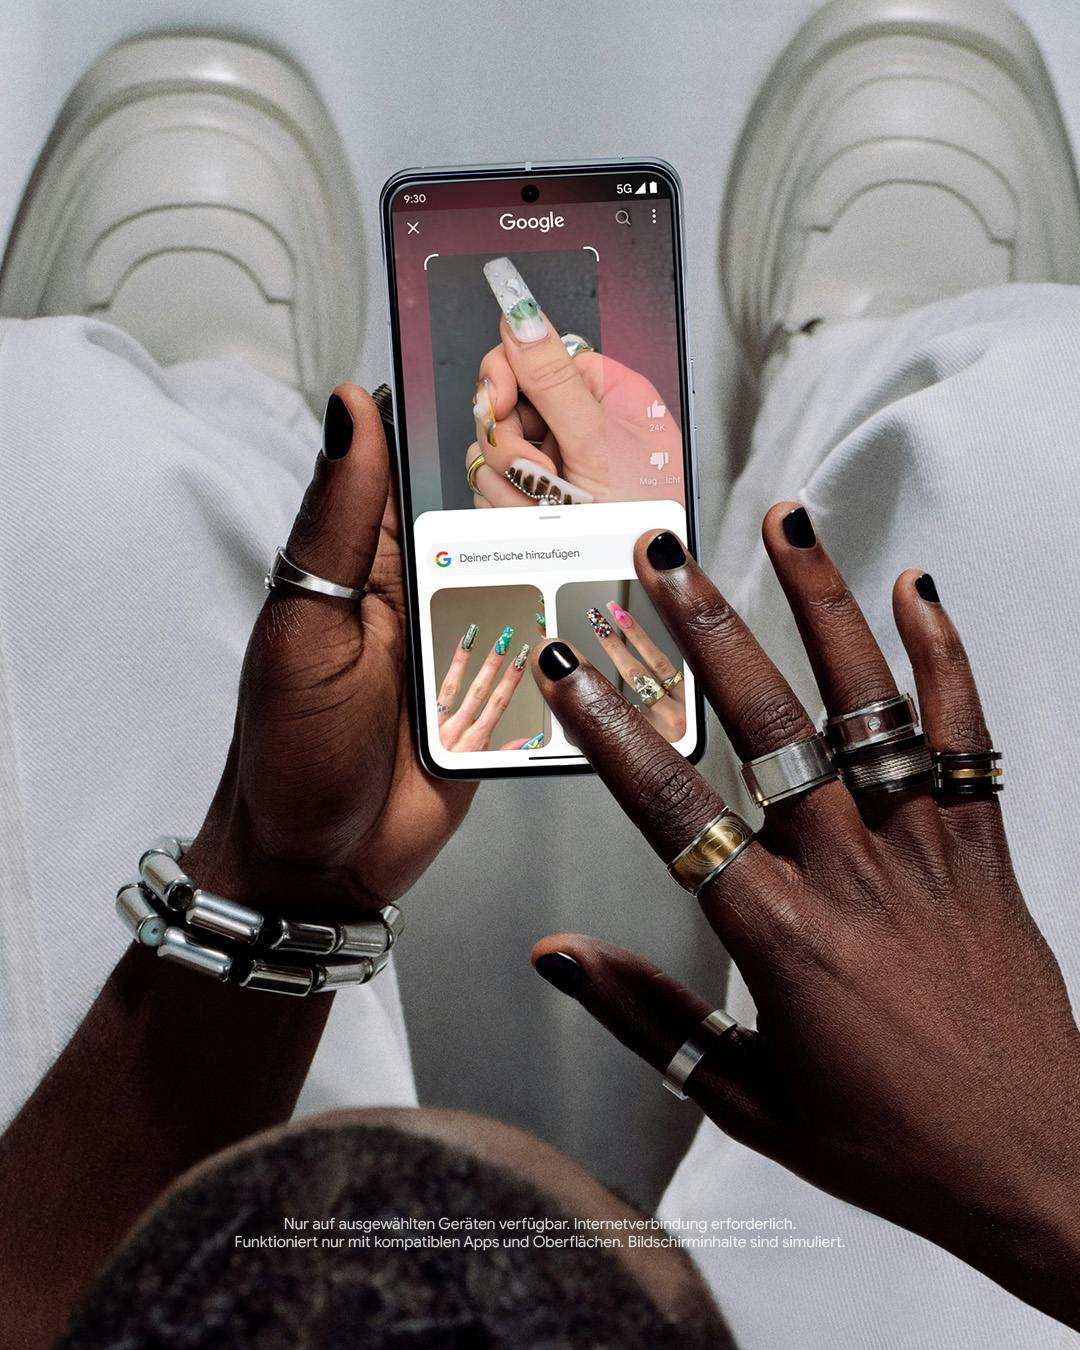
(542, 406)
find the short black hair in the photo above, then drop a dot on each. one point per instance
(182, 1281)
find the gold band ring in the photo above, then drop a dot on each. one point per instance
(470, 472)
(672, 680)
(710, 851)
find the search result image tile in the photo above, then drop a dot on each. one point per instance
(614, 624)
(481, 637)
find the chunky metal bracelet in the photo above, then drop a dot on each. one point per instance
(167, 911)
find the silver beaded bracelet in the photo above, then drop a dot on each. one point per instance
(161, 909)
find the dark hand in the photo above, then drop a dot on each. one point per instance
(323, 799)
(915, 1052)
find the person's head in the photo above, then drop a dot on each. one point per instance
(396, 1194)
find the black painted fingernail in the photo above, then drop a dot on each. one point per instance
(665, 552)
(799, 529)
(336, 428)
(557, 660)
(926, 588)
(562, 971)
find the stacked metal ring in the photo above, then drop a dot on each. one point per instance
(968, 775)
(880, 748)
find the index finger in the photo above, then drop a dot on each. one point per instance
(664, 796)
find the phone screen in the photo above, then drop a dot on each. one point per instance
(543, 420)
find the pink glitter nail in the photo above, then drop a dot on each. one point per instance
(620, 615)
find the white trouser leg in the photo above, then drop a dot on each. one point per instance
(946, 439)
(138, 511)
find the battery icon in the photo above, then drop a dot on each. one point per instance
(652, 186)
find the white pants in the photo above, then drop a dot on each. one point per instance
(136, 513)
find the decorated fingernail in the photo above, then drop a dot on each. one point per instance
(483, 408)
(544, 486)
(620, 615)
(515, 299)
(541, 622)
(469, 638)
(521, 658)
(535, 743)
(601, 627)
(503, 641)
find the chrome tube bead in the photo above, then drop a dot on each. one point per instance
(225, 918)
(139, 914)
(273, 979)
(343, 973)
(166, 878)
(179, 946)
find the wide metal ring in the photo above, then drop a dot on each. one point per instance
(967, 775)
(694, 1049)
(710, 851)
(472, 470)
(792, 769)
(889, 767)
(575, 344)
(672, 681)
(888, 720)
(284, 572)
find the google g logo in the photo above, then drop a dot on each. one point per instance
(442, 558)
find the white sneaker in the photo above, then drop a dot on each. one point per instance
(194, 192)
(900, 151)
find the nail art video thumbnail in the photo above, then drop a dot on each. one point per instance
(482, 693)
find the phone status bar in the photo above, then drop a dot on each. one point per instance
(534, 191)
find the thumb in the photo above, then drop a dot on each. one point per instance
(653, 1015)
(336, 531)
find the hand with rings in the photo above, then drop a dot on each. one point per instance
(551, 426)
(471, 726)
(323, 792)
(915, 1051)
(656, 685)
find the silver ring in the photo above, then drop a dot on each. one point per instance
(890, 719)
(891, 767)
(790, 770)
(694, 1049)
(575, 344)
(284, 572)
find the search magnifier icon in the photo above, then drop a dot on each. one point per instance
(622, 217)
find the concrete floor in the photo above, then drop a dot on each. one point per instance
(476, 82)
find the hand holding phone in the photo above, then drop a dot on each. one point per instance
(544, 415)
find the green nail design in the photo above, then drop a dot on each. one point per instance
(469, 638)
(503, 641)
